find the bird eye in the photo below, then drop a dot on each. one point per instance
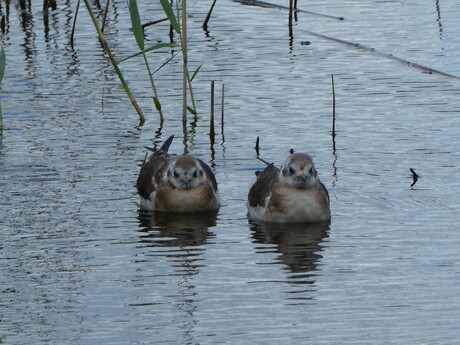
(291, 170)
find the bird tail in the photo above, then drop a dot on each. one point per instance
(167, 144)
(164, 147)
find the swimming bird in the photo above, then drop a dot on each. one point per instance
(176, 183)
(292, 194)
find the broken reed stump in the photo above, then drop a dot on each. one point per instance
(333, 106)
(222, 111)
(211, 122)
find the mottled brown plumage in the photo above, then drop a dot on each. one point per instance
(176, 183)
(292, 194)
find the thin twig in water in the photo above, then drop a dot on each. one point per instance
(74, 24)
(222, 112)
(104, 19)
(211, 123)
(257, 146)
(205, 23)
(270, 5)
(153, 22)
(386, 55)
(415, 177)
(333, 106)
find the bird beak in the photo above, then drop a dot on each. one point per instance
(303, 178)
(186, 183)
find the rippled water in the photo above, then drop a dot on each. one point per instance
(81, 265)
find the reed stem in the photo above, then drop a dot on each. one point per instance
(222, 110)
(333, 106)
(155, 93)
(72, 34)
(185, 78)
(211, 122)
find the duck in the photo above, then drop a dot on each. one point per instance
(290, 194)
(176, 183)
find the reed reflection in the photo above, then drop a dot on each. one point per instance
(298, 245)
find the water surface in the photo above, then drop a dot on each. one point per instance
(80, 264)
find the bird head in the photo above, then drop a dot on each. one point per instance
(185, 172)
(299, 171)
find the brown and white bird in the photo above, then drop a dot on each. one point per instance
(292, 194)
(176, 183)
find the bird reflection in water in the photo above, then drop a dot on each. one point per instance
(175, 229)
(299, 247)
(184, 237)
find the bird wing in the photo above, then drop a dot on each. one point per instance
(209, 174)
(263, 185)
(323, 188)
(154, 167)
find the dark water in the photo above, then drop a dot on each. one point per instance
(81, 265)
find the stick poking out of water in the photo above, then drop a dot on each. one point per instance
(257, 146)
(222, 112)
(205, 23)
(415, 177)
(211, 123)
(72, 34)
(333, 106)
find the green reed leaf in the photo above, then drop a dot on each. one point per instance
(196, 72)
(157, 104)
(136, 23)
(154, 47)
(170, 14)
(191, 110)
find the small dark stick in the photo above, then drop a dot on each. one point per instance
(211, 124)
(104, 18)
(72, 34)
(205, 24)
(222, 109)
(415, 177)
(266, 162)
(333, 106)
(257, 146)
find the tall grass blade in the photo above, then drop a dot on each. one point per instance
(170, 14)
(152, 48)
(136, 23)
(196, 72)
